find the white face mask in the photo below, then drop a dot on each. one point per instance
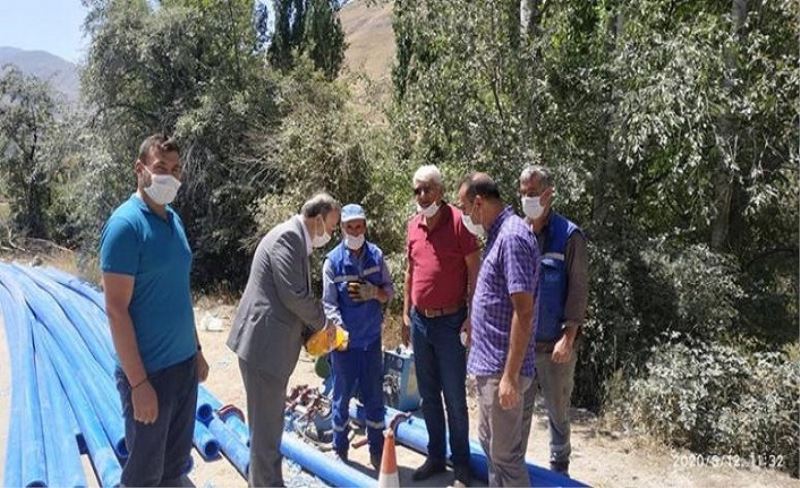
(428, 211)
(163, 188)
(354, 243)
(476, 229)
(320, 241)
(532, 207)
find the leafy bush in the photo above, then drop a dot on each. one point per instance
(717, 399)
(643, 291)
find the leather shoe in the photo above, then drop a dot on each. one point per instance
(429, 468)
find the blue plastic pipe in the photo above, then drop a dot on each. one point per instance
(77, 285)
(99, 344)
(63, 457)
(33, 467)
(100, 450)
(12, 320)
(328, 469)
(207, 404)
(97, 384)
(204, 442)
(82, 293)
(236, 452)
(414, 434)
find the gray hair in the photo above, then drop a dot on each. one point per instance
(429, 173)
(320, 204)
(543, 173)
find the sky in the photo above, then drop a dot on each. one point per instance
(47, 25)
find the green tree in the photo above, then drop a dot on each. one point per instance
(27, 115)
(188, 68)
(307, 26)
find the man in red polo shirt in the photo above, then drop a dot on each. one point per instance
(443, 261)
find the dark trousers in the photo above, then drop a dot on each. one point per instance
(441, 363)
(160, 453)
(365, 368)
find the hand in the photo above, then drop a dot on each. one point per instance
(467, 327)
(405, 330)
(508, 392)
(562, 350)
(361, 292)
(202, 367)
(330, 332)
(145, 403)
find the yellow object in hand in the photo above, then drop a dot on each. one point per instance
(320, 342)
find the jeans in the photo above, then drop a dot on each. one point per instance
(159, 453)
(441, 364)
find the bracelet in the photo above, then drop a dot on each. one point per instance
(140, 383)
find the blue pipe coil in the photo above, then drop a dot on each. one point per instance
(62, 455)
(33, 467)
(413, 433)
(328, 469)
(91, 301)
(103, 455)
(12, 320)
(99, 344)
(77, 285)
(98, 385)
(205, 443)
(236, 452)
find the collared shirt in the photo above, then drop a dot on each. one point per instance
(309, 247)
(577, 262)
(155, 252)
(510, 253)
(330, 295)
(437, 258)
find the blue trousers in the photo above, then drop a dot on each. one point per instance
(441, 363)
(364, 367)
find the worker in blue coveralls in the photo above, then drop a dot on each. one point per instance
(356, 284)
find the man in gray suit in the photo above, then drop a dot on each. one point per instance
(276, 309)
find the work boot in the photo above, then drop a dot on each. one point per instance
(341, 454)
(375, 461)
(462, 475)
(560, 467)
(429, 468)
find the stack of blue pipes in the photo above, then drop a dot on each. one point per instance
(64, 401)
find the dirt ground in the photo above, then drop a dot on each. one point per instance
(599, 458)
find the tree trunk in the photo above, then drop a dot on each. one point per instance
(605, 177)
(724, 182)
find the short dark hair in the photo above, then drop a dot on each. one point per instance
(159, 141)
(480, 184)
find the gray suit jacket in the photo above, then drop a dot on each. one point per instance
(277, 305)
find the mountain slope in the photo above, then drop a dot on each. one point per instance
(60, 73)
(368, 32)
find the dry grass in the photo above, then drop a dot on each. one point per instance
(370, 39)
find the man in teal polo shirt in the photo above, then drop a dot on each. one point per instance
(146, 262)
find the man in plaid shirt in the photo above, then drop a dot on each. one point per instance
(503, 321)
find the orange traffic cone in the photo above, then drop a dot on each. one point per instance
(388, 477)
